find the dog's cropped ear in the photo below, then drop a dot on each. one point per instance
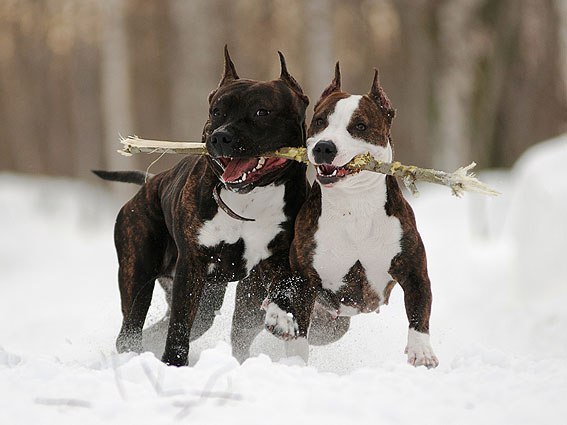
(378, 95)
(228, 75)
(335, 85)
(292, 83)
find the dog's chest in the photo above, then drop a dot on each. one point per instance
(265, 205)
(355, 243)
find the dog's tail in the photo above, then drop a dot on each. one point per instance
(136, 177)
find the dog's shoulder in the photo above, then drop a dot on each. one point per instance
(183, 192)
(397, 205)
(311, 209)
(306, 225)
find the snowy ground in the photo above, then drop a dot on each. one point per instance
(499, 275)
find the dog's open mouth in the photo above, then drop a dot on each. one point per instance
(329, 174)
(239, 172)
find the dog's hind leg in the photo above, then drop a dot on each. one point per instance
(324, 328)
(209, 307)
(248, 318)
(211, 302)
(166, 284)
(140, 247)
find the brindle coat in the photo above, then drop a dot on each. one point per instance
(156, 232)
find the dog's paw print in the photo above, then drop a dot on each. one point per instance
(419, 350)
(279, 322)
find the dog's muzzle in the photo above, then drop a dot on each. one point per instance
(223, 143)
(324, 152)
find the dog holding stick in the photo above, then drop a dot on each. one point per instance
(217, 218)
(356, 235)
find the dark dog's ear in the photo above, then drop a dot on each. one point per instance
(335, 85)
(228, 75)
(378, 95)
(229, 69)
(292, 83)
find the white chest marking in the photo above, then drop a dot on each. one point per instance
(354, 227)
(265, 205)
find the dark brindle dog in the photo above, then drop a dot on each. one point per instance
(190, 223)
(356, 235)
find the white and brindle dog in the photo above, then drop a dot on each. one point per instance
(356, 235)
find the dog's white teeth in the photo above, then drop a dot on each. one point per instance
(334, 173)
(259, 165)
(261, 162)
(244, 177)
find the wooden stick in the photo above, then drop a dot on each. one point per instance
(459, 181)
(134, 144)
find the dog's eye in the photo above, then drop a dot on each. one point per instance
(361, 127)
(319, 122)
(216, 112)
(262, 112)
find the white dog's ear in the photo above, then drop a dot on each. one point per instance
(378, 95)
(292, 83)
(335, 85)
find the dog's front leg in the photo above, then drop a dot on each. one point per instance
(288, 313)
(187, 289)
(417, 299)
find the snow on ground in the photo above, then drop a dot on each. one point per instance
(499, 275)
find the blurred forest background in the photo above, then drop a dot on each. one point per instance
(471, 79)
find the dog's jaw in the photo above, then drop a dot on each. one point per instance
(253, 172)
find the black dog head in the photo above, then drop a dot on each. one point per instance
(248, 119)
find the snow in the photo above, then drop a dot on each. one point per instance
(498, 270)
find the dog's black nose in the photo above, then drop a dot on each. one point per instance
(223, 143)
(324, 152)
(221, 137)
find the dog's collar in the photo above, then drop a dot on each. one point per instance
(216, 196)
(277, 178)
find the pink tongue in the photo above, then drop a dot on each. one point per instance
(238, 166)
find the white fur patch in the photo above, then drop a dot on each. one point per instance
(279, 322)
(265, 205)
(419, 350)
(347, 145)
(354, 226)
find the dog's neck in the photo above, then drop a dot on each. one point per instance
(359, 195)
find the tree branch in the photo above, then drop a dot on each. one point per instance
(459, 181)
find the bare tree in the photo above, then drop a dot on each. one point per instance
(471, 79)
(116, 101)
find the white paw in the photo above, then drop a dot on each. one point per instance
(419, 350)
(280, 323)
